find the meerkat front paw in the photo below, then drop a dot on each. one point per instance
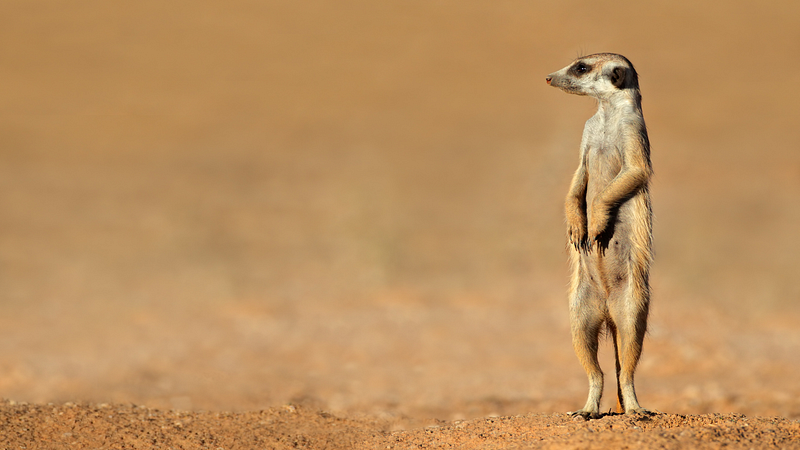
(576, 232)
(576, 225)
(597, 226)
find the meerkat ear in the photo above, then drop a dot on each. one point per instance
(618, 75)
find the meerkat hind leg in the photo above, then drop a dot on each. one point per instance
(587, 322)
(628, 330)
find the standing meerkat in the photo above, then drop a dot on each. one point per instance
(609, 224)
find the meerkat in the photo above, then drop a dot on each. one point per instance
(609, 224)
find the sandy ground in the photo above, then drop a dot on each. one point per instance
(288, 427)
(341, 223)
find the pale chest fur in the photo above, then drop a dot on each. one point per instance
(602, 153)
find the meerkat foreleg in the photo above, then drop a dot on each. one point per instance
(621, 188)
(575, 209)
(634, 175)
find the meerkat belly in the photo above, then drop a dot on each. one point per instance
(609, 267)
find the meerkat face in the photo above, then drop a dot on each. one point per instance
(601, 76)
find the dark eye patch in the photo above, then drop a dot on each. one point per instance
(580, 69)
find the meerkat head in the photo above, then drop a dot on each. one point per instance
(601, 75)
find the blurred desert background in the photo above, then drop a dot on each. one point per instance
(357, 205)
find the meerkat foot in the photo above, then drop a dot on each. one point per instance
(585, 414)
(640, 412)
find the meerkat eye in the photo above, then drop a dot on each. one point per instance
(581, 68)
